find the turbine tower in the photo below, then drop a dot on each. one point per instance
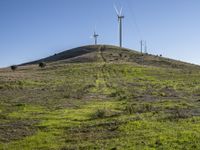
(145, 47)
(120, 18)
(95, 36)
(141, 46)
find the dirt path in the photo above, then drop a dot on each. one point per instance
(102, 75)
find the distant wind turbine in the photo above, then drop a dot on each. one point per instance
(95, 36)
(120, 18)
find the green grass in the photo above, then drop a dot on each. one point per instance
(99, 106)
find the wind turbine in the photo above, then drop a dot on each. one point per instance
(95, 36)
(120, 18)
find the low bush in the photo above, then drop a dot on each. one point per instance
(13, 67)
(100, 113)
(42, 64)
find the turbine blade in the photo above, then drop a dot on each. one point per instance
(115, 7)
(120, 13)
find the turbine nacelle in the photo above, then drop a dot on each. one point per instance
(95, 35)
(120, 18)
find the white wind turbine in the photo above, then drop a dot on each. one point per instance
(120, 18)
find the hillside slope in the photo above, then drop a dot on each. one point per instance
(103, 104)
(108, 53)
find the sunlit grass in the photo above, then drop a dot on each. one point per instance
(102, 106)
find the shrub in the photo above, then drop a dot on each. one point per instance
(100, 113)
(42, 64)
(13, 68)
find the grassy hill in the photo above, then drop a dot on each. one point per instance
(100, 97)
(109, 53)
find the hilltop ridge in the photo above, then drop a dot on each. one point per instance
(111, 54)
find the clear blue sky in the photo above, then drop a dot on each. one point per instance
(32, 29)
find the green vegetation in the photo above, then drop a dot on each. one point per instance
(101, 105)
(13, 68)
(42, 64)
